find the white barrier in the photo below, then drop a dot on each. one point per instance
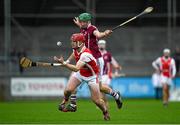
(38, 86)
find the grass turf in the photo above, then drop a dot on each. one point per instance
(134, 111)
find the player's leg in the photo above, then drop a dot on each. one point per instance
(105, 88)
(156, 92)
(103, 96)
(72, 106)
(96, 98)
(73, 100)
(72, 84)
(165, 94)
(166, 90)
(115, 94)
(165, 83)
(104, 85)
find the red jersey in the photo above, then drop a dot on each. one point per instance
(165, 67)
(91, 40)
(91, 67)
(107, 59)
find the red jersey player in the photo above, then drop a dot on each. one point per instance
(166, 66)
(109, 61)
(86, 69)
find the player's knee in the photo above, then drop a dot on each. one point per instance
(165, 87)
(102, 89)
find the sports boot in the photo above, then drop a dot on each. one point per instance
(106, 116)
(119, 101)
(70, 108)
(62, 105)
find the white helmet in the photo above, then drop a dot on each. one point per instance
(166, 50)
(101, 42)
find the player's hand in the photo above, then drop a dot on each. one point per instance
(120, 68)
(59, 60)
(158, 71)
(116, 73)
(76, 21)
(107, 32)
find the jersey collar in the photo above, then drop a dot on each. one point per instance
(166, 58)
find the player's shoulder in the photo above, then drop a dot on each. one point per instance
(92, 27)
(87, 52)
(172, 59)
(108, 53)
(160, 58)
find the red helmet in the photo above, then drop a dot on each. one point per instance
(78, 37)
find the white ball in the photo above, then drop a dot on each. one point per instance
(59, 43)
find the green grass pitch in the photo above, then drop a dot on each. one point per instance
(133, 111)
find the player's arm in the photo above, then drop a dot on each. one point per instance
(70, 58)
(109, 70)
(173, 68)
(100, 35)
(84, 58)
(156, 64)
(71, 67)
(74, 68)
(115, 65)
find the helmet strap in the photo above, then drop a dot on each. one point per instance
(79, 45)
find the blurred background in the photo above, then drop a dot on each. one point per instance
(32, 28)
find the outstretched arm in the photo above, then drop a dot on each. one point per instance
(115, 65)
(71, 67)
(100, 35)
(70, 58)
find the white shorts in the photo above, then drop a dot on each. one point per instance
(100, 62)
(92, 80)
(106, 80)
(166, 80)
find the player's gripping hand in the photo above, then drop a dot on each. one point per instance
(107, 32)
(59, 60)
